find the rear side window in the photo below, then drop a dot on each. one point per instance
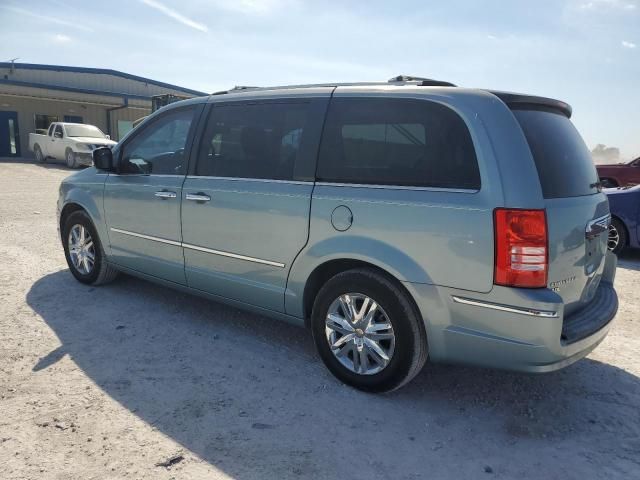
(397, 142)
(563, 161)
(260, 140)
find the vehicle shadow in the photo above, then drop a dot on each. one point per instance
(249, 395)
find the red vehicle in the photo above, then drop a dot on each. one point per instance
(620, 174)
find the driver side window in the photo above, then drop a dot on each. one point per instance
(159, 148)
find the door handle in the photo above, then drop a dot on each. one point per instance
(166, 194)
(197, 197)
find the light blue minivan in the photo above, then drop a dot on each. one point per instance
(398, 221)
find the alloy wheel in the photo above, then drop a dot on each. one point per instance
(360, 333)
(614, 238)
(81, 249)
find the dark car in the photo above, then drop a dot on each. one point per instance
(624, 231)
(620, 174)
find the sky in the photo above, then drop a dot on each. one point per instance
(585, 52)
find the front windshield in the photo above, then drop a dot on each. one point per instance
(84, 131)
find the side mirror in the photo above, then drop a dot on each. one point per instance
(108, 137)
(103, 159)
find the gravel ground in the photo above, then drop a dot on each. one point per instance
(134, 380)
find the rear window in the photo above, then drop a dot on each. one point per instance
(397, 142)
(562, 159)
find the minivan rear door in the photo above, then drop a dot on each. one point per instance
(577, 212)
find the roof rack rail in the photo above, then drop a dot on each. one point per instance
(404, 79)
(237, 88)
(423, 82)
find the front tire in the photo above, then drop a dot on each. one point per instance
(71, 159)
(83, 250)
(617, 240)
(368, 332)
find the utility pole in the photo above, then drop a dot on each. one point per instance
(13, 61)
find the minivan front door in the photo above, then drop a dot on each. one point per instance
(142, 201)
(246, 202)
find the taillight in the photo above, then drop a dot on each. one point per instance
(521, 248)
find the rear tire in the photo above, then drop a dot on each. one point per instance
(406, 352)
(99, 272)
(40, 158)
(617, 240)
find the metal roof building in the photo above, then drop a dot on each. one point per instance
(32, 96)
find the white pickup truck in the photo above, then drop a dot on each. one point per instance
(72, 142)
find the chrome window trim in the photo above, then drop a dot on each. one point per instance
(504, 308)
(198, 248)
(261, 180)
(146, 237)
(398, 187)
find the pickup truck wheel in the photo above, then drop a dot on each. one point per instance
(71, 159)
(83, 250)
(40, 158)
(368, 332)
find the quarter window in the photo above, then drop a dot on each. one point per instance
(397, 142)
(160, 148)
(260, 140)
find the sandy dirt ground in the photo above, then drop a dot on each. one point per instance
(133, 380)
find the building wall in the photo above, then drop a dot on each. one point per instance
(96, 115)
(91, 81)
(104, 98)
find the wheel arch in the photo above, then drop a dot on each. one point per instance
(328, 269)
(67, 210)
(77, 198)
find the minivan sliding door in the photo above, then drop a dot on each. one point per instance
(245, 207)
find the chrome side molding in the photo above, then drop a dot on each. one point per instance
(505, 308)
(233, 255)
(199, 249)
(146, 237)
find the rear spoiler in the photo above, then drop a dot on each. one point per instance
(523, 102)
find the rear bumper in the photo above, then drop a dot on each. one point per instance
(514, 329)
